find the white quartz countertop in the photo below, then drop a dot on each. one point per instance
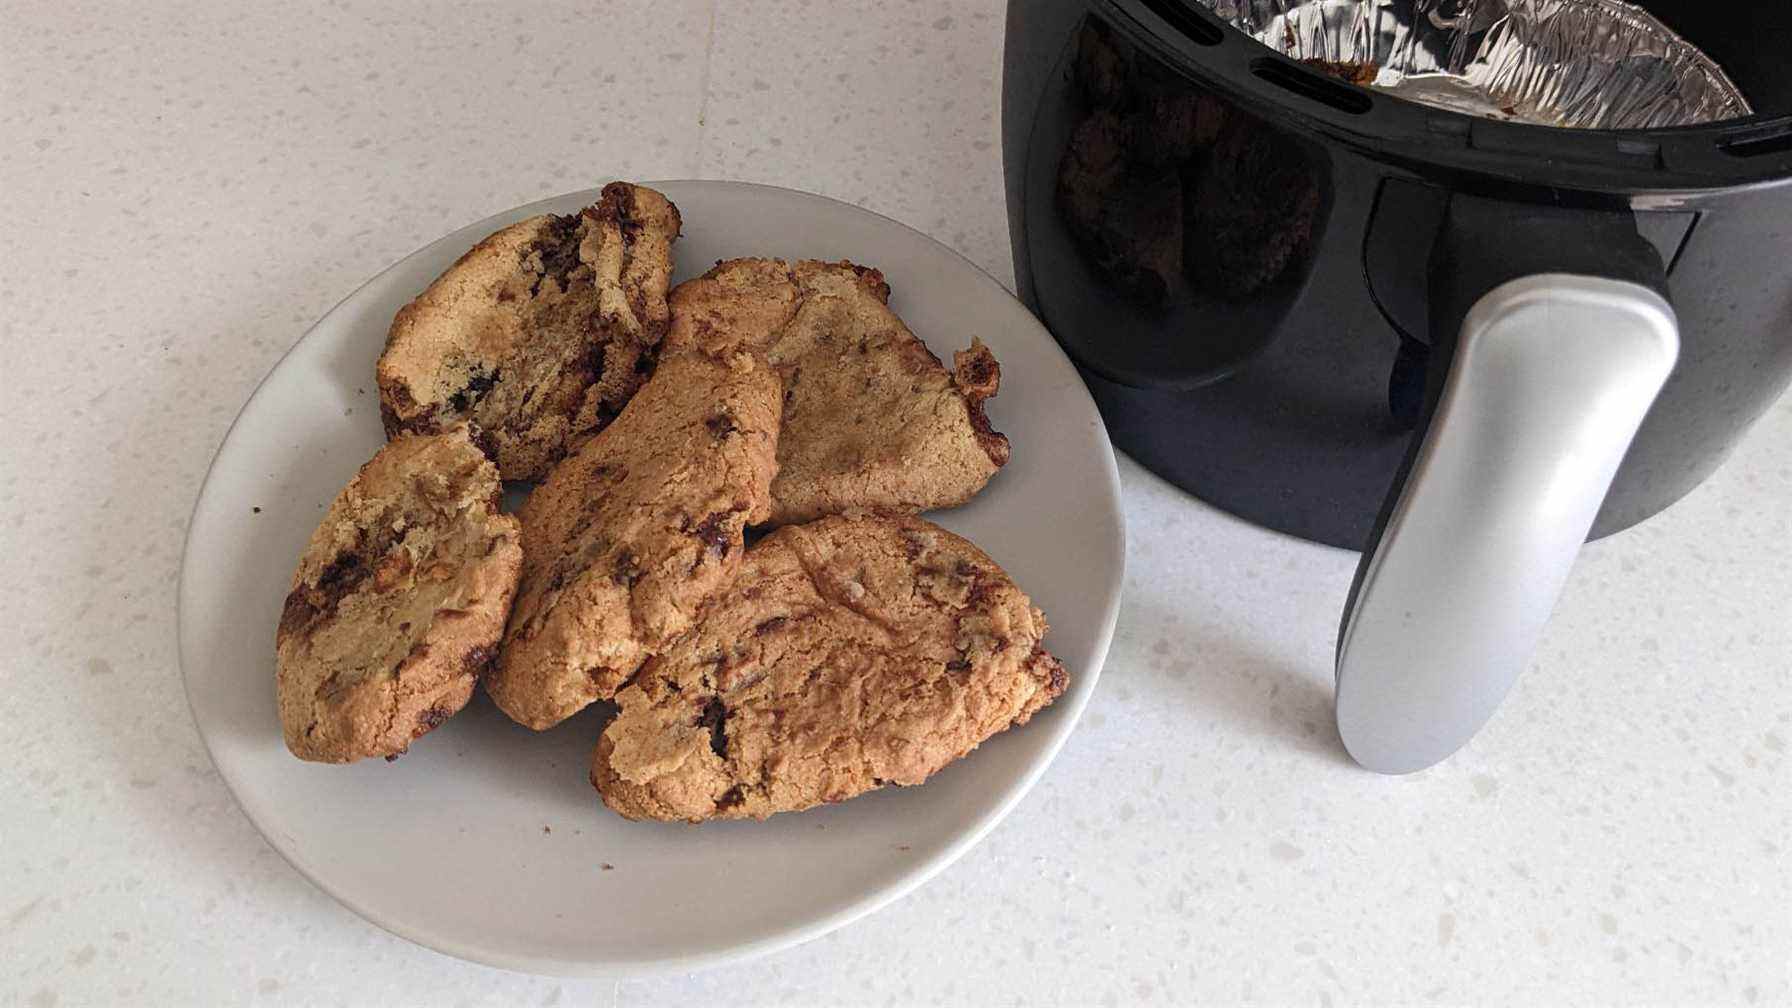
(185, 189)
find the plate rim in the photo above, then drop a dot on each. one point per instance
(684, 962)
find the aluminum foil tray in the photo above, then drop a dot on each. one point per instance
(1583, 64)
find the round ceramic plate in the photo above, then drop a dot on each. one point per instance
(486, 841)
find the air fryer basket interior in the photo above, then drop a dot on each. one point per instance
(1587, 64)
(1590, 64)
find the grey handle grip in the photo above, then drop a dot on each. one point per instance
(1551, 377)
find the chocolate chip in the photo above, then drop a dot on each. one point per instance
(617, 204)
(730, 798)
(307, 604)
(485, 442)
(721, 425)
(298, 612)
(477, 386)
(715, 718)
(559, 251)
(711, 533)
(626, 571)
(770, 625)
(432, 719)
(342, 573)
(647, 360)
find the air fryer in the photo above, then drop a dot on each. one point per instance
(1458, 341)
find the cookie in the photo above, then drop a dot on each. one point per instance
(398, 603)
(538, 335)
(851, 653)
(872, 419)
(632, 532)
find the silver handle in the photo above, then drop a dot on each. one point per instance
(1551, 376)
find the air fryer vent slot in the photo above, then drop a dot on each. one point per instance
(1312, 86)
(1184, 19)
(1778, 141)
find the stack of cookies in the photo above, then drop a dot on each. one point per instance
(853, 645)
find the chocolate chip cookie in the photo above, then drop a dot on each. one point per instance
(871, 417)
(398, 602)
(854, 652)
(634, 530)
(540, 334)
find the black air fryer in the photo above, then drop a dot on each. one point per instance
(1449, 316)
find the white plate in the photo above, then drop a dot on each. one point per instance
(486, 841)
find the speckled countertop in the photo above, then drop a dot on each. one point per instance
(181, 195)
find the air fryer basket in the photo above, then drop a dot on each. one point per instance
(1589, 64)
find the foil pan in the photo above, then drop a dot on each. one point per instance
(1583, 64)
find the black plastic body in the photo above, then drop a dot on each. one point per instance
(1291, 394)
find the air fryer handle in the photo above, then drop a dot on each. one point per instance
(1550, 340)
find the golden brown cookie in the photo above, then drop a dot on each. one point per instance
(539, 334)
(398, 602)
(631, 533)
(850, 653)
(871, 417)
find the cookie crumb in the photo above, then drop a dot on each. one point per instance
(544, 829)
(256, 510)
(607, 866)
